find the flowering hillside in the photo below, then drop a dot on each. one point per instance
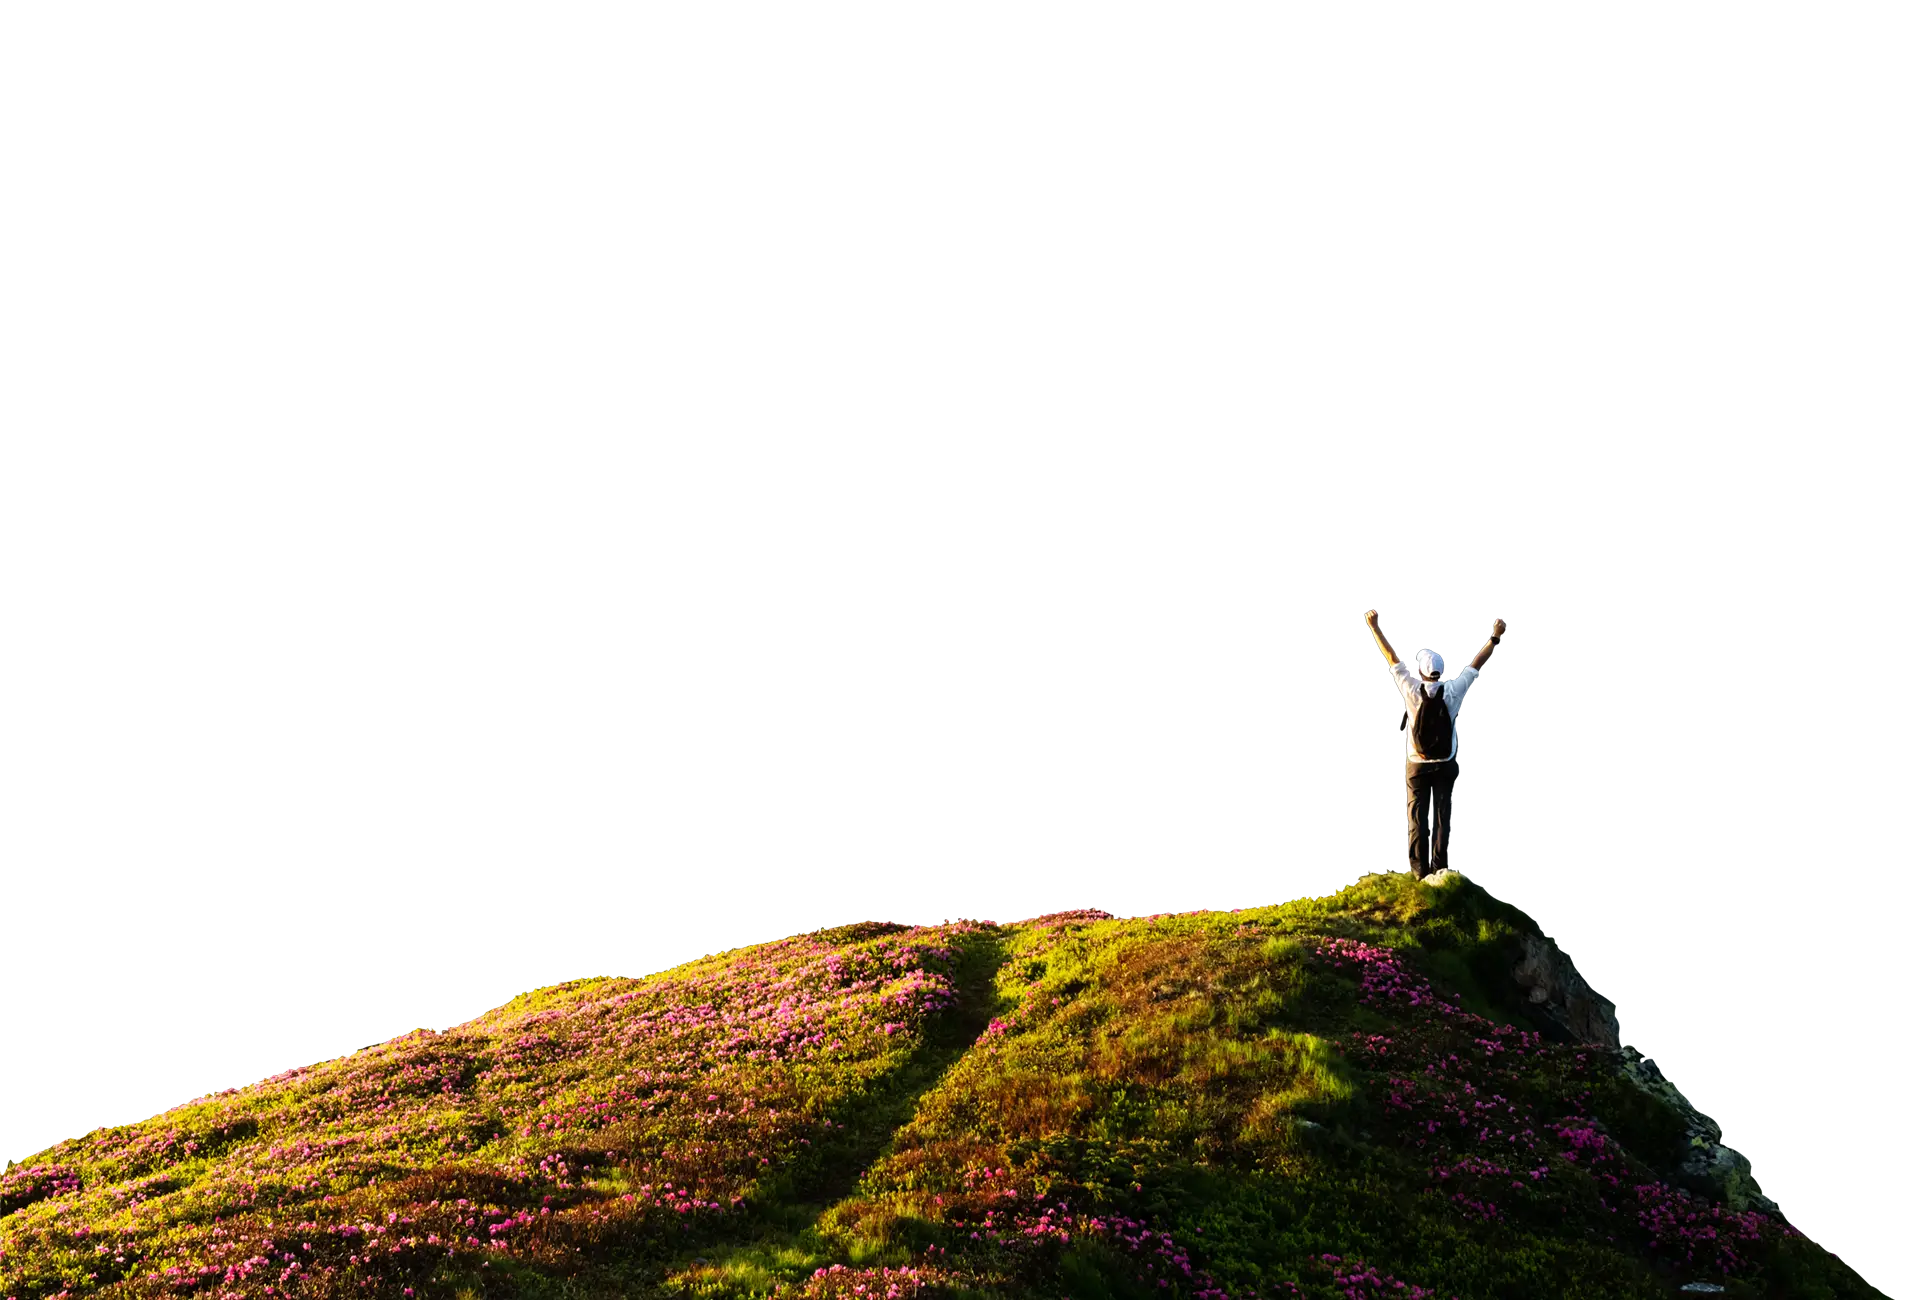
(1340, 1097)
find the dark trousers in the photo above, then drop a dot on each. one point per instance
(1424, 780)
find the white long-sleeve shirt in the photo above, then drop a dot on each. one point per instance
(1455, 690)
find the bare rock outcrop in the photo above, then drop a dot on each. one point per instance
(1556, 991)
(1560, 995)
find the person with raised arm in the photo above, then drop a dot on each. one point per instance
(1433, 746)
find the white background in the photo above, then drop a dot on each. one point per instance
(493, 495)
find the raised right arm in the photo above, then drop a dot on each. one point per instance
(1486, 651)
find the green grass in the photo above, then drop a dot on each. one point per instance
(1270, 1102)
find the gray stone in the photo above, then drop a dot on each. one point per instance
(1708, 1166)
(1556, 991)
(1707, 1287)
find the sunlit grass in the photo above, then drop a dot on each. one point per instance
(1299, 1100)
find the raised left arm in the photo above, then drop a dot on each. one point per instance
(1380, 638)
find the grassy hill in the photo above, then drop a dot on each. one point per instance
(1347, 1096)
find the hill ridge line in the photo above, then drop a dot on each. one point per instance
(642, 972)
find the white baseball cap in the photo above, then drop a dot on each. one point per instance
(1430, 664)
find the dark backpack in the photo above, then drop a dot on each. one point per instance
(1432, 724)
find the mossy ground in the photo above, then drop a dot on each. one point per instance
(1333, 1097)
